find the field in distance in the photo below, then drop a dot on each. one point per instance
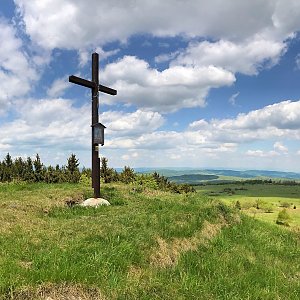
(261, 201)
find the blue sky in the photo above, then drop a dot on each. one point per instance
(200, 84)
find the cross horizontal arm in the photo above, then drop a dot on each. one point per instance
(81, 81)
(107, 90)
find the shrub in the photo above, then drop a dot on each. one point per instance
(85, 179)
(248, 204)
(267, 207)
(283, 218)
(127, 175)
(146, 181)
(285, 204)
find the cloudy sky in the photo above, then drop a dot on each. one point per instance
(200, 83)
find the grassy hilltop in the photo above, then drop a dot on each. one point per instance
(148, 245)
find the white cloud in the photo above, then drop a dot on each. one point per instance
(232, 99)
(260, 153)
(165, 57)
(84, 55)
(245, 57)
(16, 71)
(58, 87)
(197, 125)
(250, 36)
(217, 136)
(283, 115)
(280, 147)
(57, 124)
(131, 124)
(169, 90)
(74, 24)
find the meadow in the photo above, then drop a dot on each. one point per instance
(269, 198)
(148, 244)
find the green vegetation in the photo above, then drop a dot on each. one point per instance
(283, 218)
(27, 170)
(262, 201)
(149, 244)
(35, 171)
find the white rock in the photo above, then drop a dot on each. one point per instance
(95, 202)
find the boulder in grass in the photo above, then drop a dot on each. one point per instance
(94, 202)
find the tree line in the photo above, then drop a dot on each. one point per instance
(33, 170)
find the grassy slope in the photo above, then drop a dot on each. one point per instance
(153, 245)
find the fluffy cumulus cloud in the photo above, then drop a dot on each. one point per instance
(16, 71)
(137, 135)
(131, 124)
(225, 135)
(282, 116)
(73, 24)
(247, 57)
(221, 141)
(47, 123)
(238, 43)
(280, 120)
(56, 123)
(168, 90)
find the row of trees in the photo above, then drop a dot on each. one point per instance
(33, 170)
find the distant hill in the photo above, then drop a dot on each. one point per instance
(193, 176)
(255, 173)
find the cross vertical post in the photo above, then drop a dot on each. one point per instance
(95, 87)
(95, 120)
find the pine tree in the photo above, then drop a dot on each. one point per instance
(29, 173)
(2, 167)
(72, 169)
(38, 169)
(105, 172)
(7, 168)
(19, 169)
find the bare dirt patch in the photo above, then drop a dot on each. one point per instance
(58, 292)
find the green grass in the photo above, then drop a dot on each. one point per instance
(150, 245)
(271, 195)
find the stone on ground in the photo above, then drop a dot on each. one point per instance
(95, 202)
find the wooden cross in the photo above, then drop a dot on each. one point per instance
(95, 87)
